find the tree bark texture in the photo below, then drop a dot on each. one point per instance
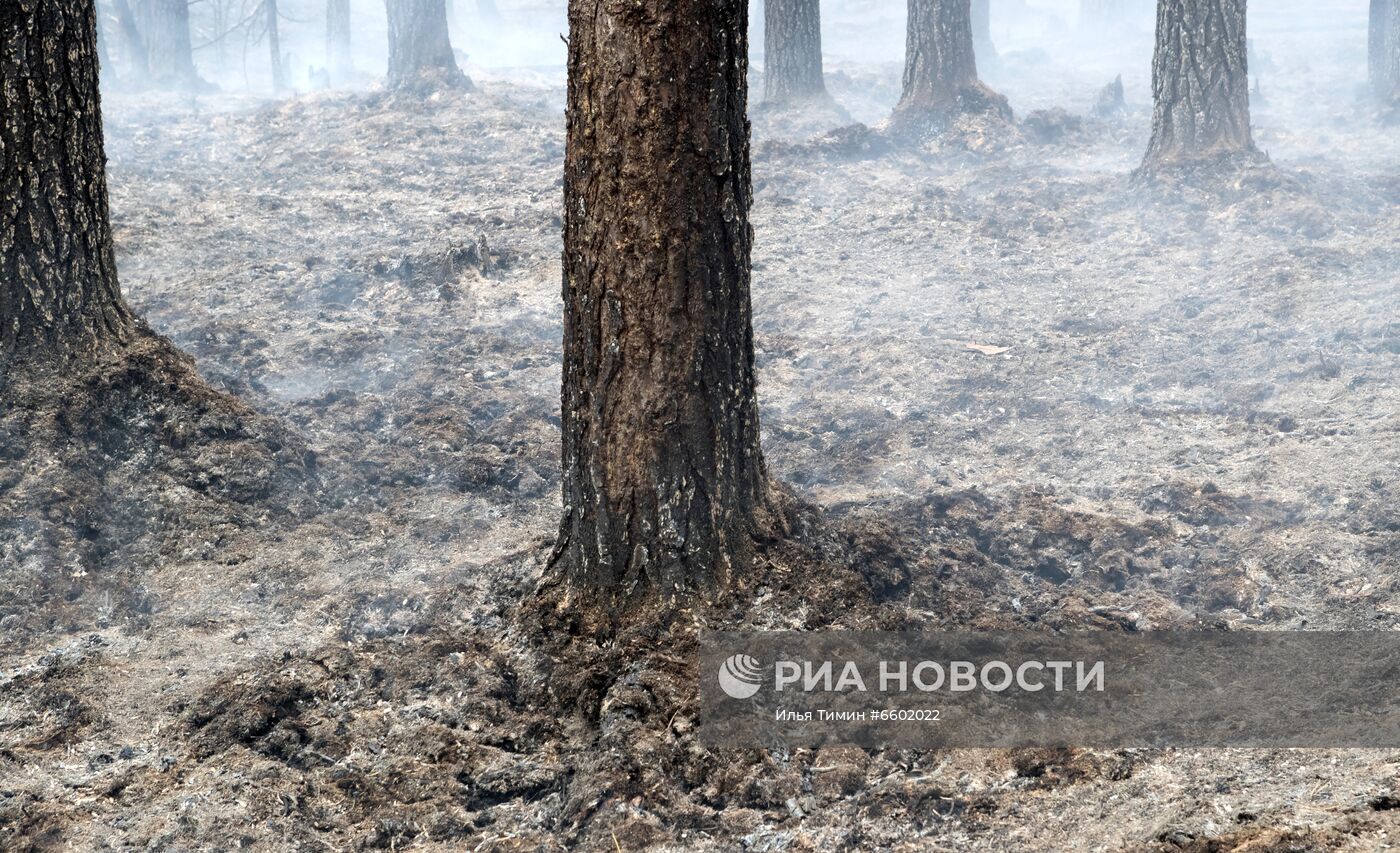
(940, 65)
(792, 51)
(165, 28)
(420, 53)
(1200, 82)
(58, 277)
(339, 64)
(662, 469)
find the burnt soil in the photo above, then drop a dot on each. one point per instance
(1005, 384)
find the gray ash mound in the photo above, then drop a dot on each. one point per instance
(115, 464)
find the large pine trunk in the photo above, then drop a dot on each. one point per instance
(792, 51)
(1200, 83)
(940, 66)
(420, 53)
(58, 279)
(339, 64)
(662, 471)
(165, 29)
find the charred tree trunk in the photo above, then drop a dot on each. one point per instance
(420, 53)
(165, 28)
(58, 278)
(339, 64)
(1200, 83)
(940, 66)
(274, 45)
(663, 477)
(792, 51)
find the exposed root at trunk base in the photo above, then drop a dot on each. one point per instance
(976, 119)
(781, 524)
(1221, 169)
(438, 81)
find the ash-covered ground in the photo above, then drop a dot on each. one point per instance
(1019, 389)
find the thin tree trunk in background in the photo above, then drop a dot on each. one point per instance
(165, 29)
(1389, 84)
(940, 65)
(420, 53)
(104, 60)
(219, 15)
(1378, 61)
(982, 47)
(339, 63)
(792, 51)
(58, 278)
(1102, 14)
(274, 46)
(663, 475)
(1200, 82)
(133, 46)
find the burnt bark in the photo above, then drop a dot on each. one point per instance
(1200, 83)
(339, 64)
(792, 51)
(165, 30)
(663, 477)
(940, 65)
(58, 279)
(420, 53)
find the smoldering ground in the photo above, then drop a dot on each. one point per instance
(1020, 388)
